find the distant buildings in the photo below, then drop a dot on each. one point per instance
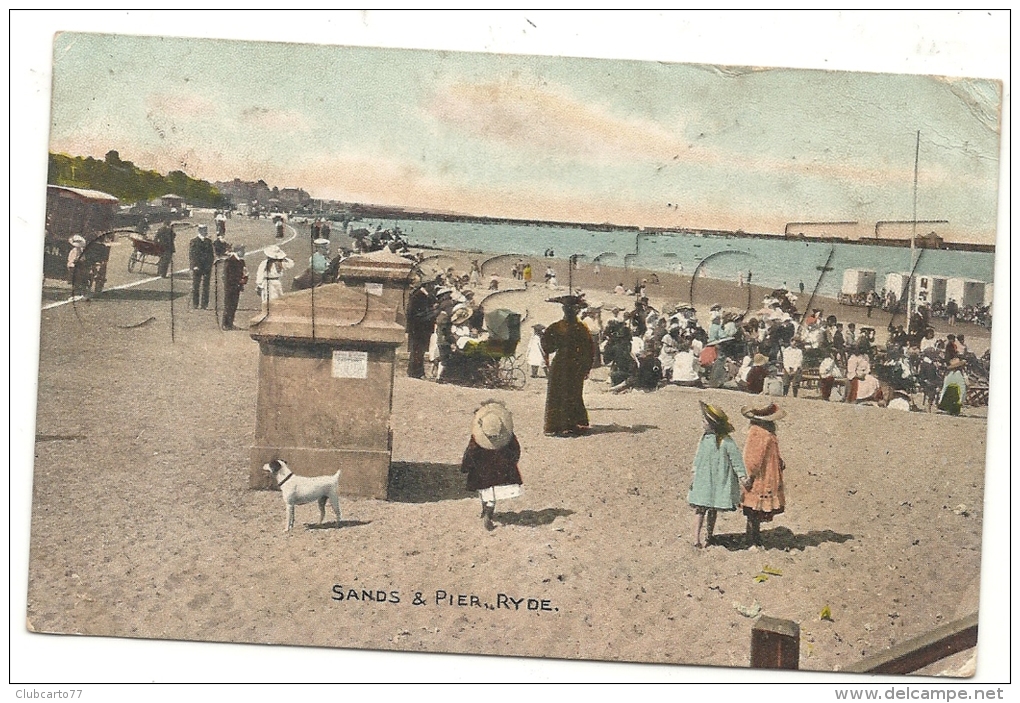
(250, 192)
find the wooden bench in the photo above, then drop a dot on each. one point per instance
(977, 396)
(812, 380)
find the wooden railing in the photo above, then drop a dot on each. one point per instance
(775, 644)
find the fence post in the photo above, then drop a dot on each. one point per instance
(775, 644)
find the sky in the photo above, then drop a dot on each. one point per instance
(949, 44)
(570, 139)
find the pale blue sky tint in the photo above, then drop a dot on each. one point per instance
(545, 137)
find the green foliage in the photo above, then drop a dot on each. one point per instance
(129, 183)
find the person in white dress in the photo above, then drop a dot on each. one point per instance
(269, 273)
(536, 357)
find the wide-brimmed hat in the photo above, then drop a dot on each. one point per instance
(956, 363)
(460, 315)
(759, 360)
(492, 426)
(716, 417)
(769, 412)
(320, 242)
(77, 241)
(275, 252)
(574, 301)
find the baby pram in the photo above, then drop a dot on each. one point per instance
(491, 362)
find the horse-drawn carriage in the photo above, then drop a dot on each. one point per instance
(490, 361)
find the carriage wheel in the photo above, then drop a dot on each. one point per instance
(132, 262)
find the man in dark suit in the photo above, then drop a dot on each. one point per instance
(235, 276)
(165, 238)
(201, 257)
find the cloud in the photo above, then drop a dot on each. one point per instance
(179, 105)
(539, 119)
(277, 120)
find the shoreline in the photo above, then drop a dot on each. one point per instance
(673, 288)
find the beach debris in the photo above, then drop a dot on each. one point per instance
(717, 588)
(633, 491)
(851, 491)
(765, 572)
(826, 614)
(961, 509)
(752, 611)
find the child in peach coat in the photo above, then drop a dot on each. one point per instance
(763, 495)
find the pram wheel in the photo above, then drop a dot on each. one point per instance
(431, 370)
(516, 379)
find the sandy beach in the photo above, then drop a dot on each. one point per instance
(143, 525)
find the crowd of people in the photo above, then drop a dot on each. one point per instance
(778, 351)
(950, 310)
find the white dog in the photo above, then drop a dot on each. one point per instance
(298, 490)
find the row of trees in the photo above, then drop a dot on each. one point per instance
(129, 183)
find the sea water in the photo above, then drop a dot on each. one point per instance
(769, 262)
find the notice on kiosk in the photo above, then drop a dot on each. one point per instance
(350, 364)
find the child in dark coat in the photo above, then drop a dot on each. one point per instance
(490, 460)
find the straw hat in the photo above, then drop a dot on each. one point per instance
(760, 360)
(716, 417)
(769, 412)
(956, 363)
(460, 315)
(492, 426)
(320, 242)
(77, 241)
(275, 252)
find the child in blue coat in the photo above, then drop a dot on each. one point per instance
(718, 473)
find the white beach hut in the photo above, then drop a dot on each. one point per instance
(965, 291)
(857, 281)
(930, 289)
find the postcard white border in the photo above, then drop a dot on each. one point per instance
(973, 44)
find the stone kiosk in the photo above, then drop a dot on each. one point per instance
(326, 365)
